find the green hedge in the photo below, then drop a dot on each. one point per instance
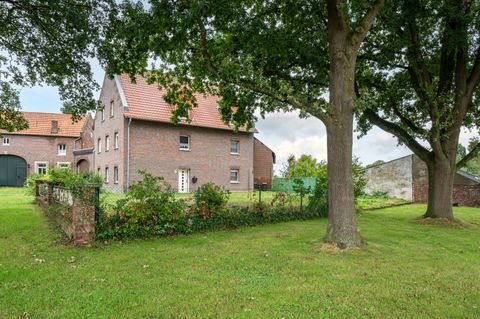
(225, 218)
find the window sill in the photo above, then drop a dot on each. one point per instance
(184, 149)
(234, 182)
(235, 154)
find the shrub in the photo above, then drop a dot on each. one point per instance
(149, 208)
(209, 198)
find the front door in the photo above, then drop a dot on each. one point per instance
(183, 185)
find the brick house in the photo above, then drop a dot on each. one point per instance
(263, 160)
(133, 132)
(49, 141)
(407, 178)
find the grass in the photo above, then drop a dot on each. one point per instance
(405, 270)
(245, 198)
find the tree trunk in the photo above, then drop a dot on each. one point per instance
(342, 221)
(441, 174)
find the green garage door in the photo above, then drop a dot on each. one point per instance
(13, 170)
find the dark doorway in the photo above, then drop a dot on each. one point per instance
(13, 170)
(83, 166)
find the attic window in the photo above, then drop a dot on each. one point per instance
(111, 108)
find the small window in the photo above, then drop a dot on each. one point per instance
(111, 108)
(234, 176)
(105, 178)
(99, 171)
(63, 165)
(115, 140)
(103, 115)
(41, 168)
(115, 174)
(6, 140)
(62, 149)
(184, 142)
(107, 143)
(99, 145)
(234, 147)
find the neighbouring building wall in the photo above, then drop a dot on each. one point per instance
(38, 149)
(108, 126)
(83, 150)
(394, 178)
(466, 192)
(263, 159)
(155, 148)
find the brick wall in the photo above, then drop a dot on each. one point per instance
(115, 157)
(38, 149)
(155, 147)
(463, 195)
(262, 164)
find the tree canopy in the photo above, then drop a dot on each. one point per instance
(266, 55)
(419, 77)
(49, 42)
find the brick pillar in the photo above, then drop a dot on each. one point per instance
(50, 193)
(83, 217)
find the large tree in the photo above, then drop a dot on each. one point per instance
(419, 81)
(48, 42)
(267, 55)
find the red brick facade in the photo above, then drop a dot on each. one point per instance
(38, 149)
(463, 195)
(155, 146)
(263, 161)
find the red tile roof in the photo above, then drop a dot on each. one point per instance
(41, 124)
(146, 102)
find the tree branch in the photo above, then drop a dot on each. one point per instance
(474, 78)
(399, 132)
(409, 123)
(365, 24)
(204, 47)
(471, 155)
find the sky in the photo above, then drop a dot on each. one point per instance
(284, 133)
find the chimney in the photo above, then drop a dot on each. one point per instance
(54, 129)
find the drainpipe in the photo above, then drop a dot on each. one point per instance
(128, 153)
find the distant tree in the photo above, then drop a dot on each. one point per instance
(49, 42)
(304, 166)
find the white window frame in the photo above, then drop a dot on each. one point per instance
(6, 140)
(105, 178)
(111, 109)
(64, 165)
(37, 166)
(60, 151)
(187, 148)
(115, 140)
(115, 174)
(107, 143)
(99, 145)
(238, 147)
(236, 170)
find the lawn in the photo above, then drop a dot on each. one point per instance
(405, 270)
(245, 198)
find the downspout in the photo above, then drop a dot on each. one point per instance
(128, 153)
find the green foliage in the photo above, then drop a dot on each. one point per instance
(49, 42)
(318, 201)
(67, 178)
(304, 166)
(148, 208)
(210, 198)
